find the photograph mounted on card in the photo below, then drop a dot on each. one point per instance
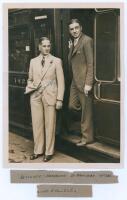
(64, 85)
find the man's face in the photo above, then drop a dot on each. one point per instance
(45, 47)
(75, 30)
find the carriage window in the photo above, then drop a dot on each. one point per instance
(41, 30)
(19, 49)
(106, 27)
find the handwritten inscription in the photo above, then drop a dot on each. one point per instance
(64, 190)
(46, 176)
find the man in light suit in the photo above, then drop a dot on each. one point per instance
(47, 80)
(81, 62)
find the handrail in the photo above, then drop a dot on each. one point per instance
(97, 94)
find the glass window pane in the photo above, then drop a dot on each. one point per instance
(19, 49)
(106, 46)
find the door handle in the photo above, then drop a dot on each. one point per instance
(97, 93)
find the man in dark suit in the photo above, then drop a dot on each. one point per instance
(81, 62)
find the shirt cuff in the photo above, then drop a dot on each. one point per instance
(88, 87)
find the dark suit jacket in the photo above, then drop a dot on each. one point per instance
(81, 61)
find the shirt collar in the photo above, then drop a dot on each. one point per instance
(46, 57)
(76, 39)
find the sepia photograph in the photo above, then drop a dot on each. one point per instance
(64, 83)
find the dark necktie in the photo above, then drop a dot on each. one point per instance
(43, 61)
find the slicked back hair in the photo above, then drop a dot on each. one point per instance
(43, 38)
(74, 21)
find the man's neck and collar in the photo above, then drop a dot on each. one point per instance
(77, 39)
(45, 56)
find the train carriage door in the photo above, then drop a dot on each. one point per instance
(107, 84)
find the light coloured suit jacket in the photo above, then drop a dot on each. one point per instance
(53, 78)
(81, 62)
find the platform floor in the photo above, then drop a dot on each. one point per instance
(21, 148)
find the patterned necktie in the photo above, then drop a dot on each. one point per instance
(75, 42)
(43, 61)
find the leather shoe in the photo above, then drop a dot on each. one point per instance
(47, 158)
(81, 143)
(35, 156)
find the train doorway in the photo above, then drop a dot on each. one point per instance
(104, 27)
(104, 24)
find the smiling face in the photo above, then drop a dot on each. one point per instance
(75, 30)
(45, 47)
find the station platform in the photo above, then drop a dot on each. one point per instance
(20, 149)
(66, 151)
(96, 152)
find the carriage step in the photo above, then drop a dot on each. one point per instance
(94, 152)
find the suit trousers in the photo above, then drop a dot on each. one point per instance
(79, 101)
(44, 124)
